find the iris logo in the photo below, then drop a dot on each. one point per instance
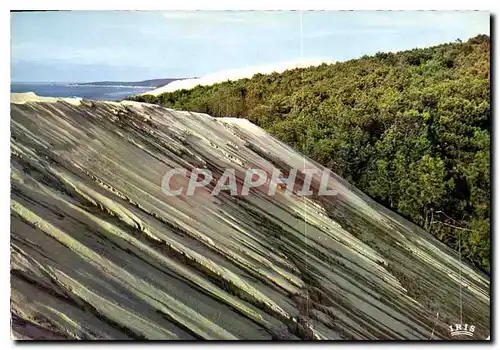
(459, 329)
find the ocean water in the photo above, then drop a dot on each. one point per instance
(90, 92)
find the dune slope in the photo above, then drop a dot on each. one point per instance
(236, 74)
(98, 251)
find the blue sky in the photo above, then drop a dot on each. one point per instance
(128, 45)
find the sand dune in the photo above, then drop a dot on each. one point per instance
(99, 252)
(235, 74)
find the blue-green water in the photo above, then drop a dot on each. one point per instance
(91, 92)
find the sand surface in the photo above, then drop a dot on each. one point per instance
(236, 74)
(98, 251)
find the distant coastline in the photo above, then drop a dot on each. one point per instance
(90, 92)
(144, 83)
(154, 83)
(97, 90)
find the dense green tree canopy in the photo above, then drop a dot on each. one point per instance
(411, 129)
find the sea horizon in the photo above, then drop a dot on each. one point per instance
(79, 90)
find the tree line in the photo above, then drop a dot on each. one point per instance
(411, 129)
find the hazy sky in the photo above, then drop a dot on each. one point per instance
(109, 45)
